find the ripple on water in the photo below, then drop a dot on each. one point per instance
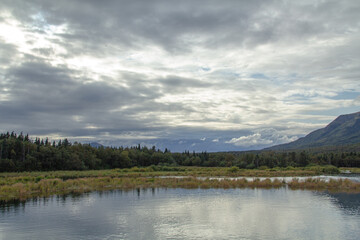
(186, 214)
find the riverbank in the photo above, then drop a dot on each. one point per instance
(42, 184)
(154, 171)
(48, 187)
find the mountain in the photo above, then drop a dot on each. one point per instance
(95, 144)
(344, 130)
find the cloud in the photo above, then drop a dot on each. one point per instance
(176, 84)
(265, 137)
(178, 71)
(251, 140)
(58, 97)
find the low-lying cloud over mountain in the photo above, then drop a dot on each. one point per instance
(237, 74)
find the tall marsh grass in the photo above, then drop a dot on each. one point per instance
(47, 187)
(25, 185)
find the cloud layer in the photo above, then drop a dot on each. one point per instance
(198, 75)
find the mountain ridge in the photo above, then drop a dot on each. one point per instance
(344, 130)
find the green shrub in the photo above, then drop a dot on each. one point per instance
(330, 169)
(250, 166)
(241, 164)
(263, 167)
(38, 179)
(290, 168)
(134, 169)
(275, 169)
(149, 169)
(327, 169)
(154, 168)
(233, 169)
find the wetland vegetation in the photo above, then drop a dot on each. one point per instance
(26, 185)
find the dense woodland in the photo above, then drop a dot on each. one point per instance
(19, 153)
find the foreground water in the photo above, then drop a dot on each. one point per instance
(185, 214)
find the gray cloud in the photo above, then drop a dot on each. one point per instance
(168, 72)
(39, 90)
(175, 26)
(50, 100)
(7, 53)
(175, 84)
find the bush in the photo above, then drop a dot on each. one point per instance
(250, 166)
(290, 168)
(149, 169)
(327, 169)
(154, 168)
(233, 169)
(241, 164)
(134, 169)
(330, 169)
(275, 169)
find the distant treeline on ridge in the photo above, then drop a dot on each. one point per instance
(19, 153)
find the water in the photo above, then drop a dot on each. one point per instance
(186, 214)
(325, 178)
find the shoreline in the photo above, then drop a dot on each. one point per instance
(23, 186)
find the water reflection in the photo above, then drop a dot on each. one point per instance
(185, 214)
(349, 203)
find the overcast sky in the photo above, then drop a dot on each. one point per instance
(195, 75)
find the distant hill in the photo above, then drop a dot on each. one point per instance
(95, 144)
(344, 130)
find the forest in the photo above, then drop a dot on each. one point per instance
(18, 152)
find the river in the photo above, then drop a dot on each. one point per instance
(185, 214)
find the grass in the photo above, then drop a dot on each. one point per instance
(47, 187)
(27, 185)
(175, 171)
(339, 185)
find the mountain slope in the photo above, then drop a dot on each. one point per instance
(344, 130)
(95, 144)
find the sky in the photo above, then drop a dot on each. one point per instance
(185, 75)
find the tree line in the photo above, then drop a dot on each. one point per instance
(20, 153)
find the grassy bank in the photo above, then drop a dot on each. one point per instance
(154, 171)
(40, 184)
(48, 187)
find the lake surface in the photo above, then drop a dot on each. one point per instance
(185, 214)
(325, 178)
